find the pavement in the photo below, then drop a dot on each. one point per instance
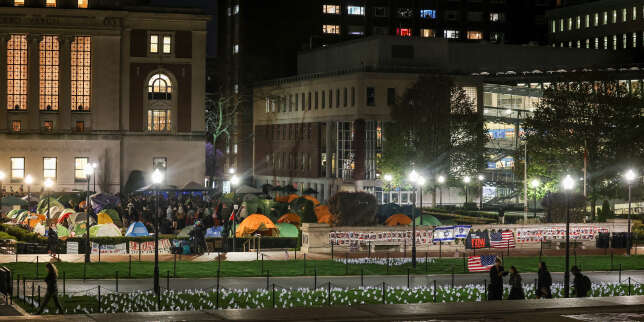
(254, 283)
(624, 308)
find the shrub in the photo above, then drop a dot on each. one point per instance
(304, 208)
(354, 208)
(605, 212)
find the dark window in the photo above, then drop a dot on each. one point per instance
(346, 98)
(337, 97)
(303, 101)
(310, 101)
(391, 96)
(402, 51)
(316, 100)
(371, 96)
(353, 96)
(323, 99)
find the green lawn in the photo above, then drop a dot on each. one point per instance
(308, 268)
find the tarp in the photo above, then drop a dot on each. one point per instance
(102, 201)
(53, 202)
(185, 232)
(105, 230)
(253, 223)
(287, 230)
(398, 219)
(327, 219)
(214, 232)
(136, 229)
(282, 199)
(290, 219)
(427, 220)
(62, 231)
(104, 218)
(10, 201)
(114, 215)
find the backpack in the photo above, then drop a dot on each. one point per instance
(588, 285)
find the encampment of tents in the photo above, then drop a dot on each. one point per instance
(290, 218)
(255, 223)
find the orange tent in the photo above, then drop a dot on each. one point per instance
(398, 219)
(281, 198)
(327, 219)
(321, 211)
(253, 223)
(34, 222)
(292, 197)
(290, 219)
(315, 201)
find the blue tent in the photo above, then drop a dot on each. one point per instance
(214, 232)
(136, 229)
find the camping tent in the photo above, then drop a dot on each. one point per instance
(136, 229)
(321, 211)
(327, 219)
(214, 232)
(312, 199)
(53, 202)
(104, 218)
(428, 220)
(292, 197)
(193, 186)
(80, 229)
(39, 229)
(253, 223)
(398, 219)
(102, 201)
(288, 230)
(62, 231)
(290, 219)
(185, 232)
(14, 213)
(114, 215)
(65, 214)
(105, 230)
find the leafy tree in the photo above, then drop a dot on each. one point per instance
(599, 122)
(354, 208)
(556, 205)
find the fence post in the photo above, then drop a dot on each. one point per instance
(99, 254)
(384, 293)
(426, 267)
(84, 270)
(434, 291)
(541, 249)
(629, 286)
(440, 249)
(328, 294)
(99, 298)
(452, 276)
(267, 279)
(611, 259)
(536, 288)
(464, 264)
(167, 281)
(620, 273)
(295, 254)
(332, 250)
(346, 262)
(273, 295)
(139, 244)
(39, 295)
(485, 285)
(174, 268)
(304, 264)
(218, 271)
(362, 277)
(315, 278)
(262, 264)
(387, 262)
(37, 262)
(64, 282)
(32, 293)
(369, 250)
(17, 253)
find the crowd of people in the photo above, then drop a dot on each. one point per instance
(581, 284)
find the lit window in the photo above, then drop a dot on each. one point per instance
(79, 169)
(624, 41)
(497, 17)
(614, 20)
(403, 32)
(17, 72)
(451, 34)
(159, 121)
(17, 169)
(16, 125)
(428, 14)
(82, 4)
(235, 49)
(50, 3)
(596, 43)
(624, 15)
(355, 10)
(331, 29)
(474, 35)
(497, 37)
(578, 43)
(587, 21)
(49, 51)
(605, 20)
(596, 20)
(605, 42)
(331, 9)
(634, 40)
(578, 23)
(561, 25)
(154, 44)
(235, 148)
(235, 9)
(554, 26)
(49, 168)
(587, 43)
(634, 13)
(569, 23)
(167, 44)
(81, 73)
(614, 42)
(427, 33)
(19, 3)
(160, 87)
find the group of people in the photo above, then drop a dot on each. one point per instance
(581, 284)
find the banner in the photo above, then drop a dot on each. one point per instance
(72, 247)
(558, 232)
(344, 238)
(148, 247)
(444, 233)
(461, 231)
(109, 249)
(477, 239)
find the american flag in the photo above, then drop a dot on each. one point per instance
(503, 239)
(481, 263)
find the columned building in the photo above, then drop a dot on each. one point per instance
(118, 85)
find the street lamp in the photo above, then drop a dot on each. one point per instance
(466, 180)
(568, 184)
(231, 170)
(29, 180)
(418, 180)
(89, 170)
(2, 177)
(234, 181)
(48, 184)
(630, 177)
(157, 178)
(535, 184)
(389, 178)
(481, 178)
(441, 181)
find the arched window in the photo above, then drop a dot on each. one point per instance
(160, 87)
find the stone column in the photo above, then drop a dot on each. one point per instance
(4, 122)
(64, 83)
(33, 81)
(330, 148)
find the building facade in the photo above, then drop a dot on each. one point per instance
(115, 84)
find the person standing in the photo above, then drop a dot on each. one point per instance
(495, 292)
(516, 288)
(52, 289)
(582, 282)
(544, 282)
(52, 240)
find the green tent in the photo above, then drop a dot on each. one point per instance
(62, 231)
(287, 230)
(80, 229)
(70, 199)
(185, 232)
(21, 216)
(428, 220)
(10, 201)
(105, 230)
(14, 213)
(114, 215)
(53, 202)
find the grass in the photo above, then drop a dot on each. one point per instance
(309, 268)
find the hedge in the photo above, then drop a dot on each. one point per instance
(22, 234)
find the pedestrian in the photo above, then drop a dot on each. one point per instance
(544, 282)
(52, 240)
(516, 288)
(52, 289)
(495, 289)
(582, 283)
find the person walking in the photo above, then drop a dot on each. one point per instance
(544, 282)
(495, 290)
(52, 240)
(582, 282)
(52, 289)
(516, 288)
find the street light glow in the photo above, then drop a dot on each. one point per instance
(413, 176)
(467, 179)
(535, 183)
(388, 177)
(2, 175)
(231, 170)
(441, 179)
(89, 169)
(629, 176)
(420, 180)
(234, 180)
(157, 176)
(568, 183)
(481, 177)
(29, 179)
(48, 183)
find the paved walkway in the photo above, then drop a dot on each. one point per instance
(589, 309)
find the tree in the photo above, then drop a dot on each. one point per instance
(577, 123)
(556, 204)
(354, 208)
(220, 117)
(435, 128)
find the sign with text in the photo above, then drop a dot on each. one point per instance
(109, 249)
(148, 247)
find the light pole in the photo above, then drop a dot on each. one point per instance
(568, 184)
(157, 178)
(2, 176)
(417, 181)
(630, 177)
(481, 178)
(94, 171)
(29, 180)
(535, 184)
(89, 170)
(48, 184)
(441, 181)
(234, 181)
(467, 181)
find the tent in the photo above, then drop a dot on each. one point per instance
(104, 218)
(21, 216)
(290, 219)
(14, 213)
(54, 212)
(193, 186)
(136, 229)
(102, 201)
(253, 223)
(53, 202)
(80, 217)
(327, 219)
(214, 232)
(312, 199)
(65, 214)
(10, 201)
(245, 189)
(185, 232)
(288, 230)
(282, 199)
(39, 229)
(80, 230)
(321, 211)
(33, 221)
(105, 230)
(398, 219)
(116, 219)
(428, 220)
(292, 197)
(62, 231)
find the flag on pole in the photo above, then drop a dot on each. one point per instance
(503, 239)
(481, 263)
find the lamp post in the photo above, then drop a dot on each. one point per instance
(94, 171)
(89, 170)
(157, 178)
(2, 177)
(234, 181)
(417, 181)
(29, 180)
(467, 181)
(481, 178)
(630, 177)
(48, 184)
(441, 181)
(535, 184)
(568, 184)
